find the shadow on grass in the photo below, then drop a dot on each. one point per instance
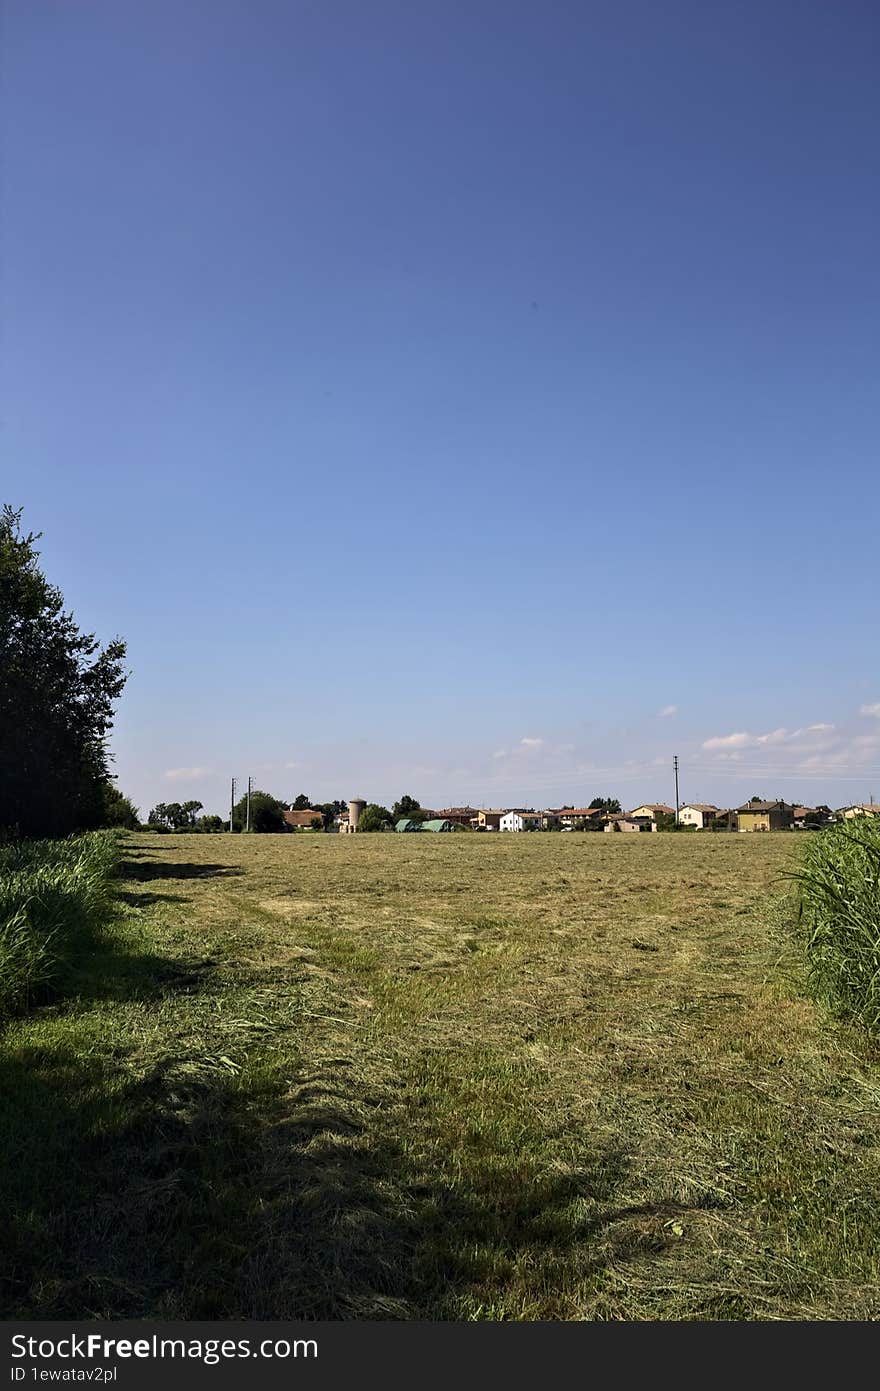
(353, 1227)
(108, 1185)
(146, 900)
(144, 871)
(193, 1193)
(177, 1196)
(112, 974)
(98, 962)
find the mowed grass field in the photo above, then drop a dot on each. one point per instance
(442, 1077)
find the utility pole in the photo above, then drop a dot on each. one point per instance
(247, 823)
(231, 804)
(675, 770)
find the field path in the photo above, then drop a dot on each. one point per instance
(540, 1077)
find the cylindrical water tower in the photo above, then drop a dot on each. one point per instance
(355, 807)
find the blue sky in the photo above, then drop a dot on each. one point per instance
(474, 400)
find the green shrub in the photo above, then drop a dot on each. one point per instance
(54, 896)
(839, 890)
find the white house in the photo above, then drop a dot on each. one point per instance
(699, 814)
(521, 821)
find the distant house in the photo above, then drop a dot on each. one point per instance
(616, 822)
(652, 810)
(723, 820)
(699, 814)
(302, 820)
(806, 818)
(463, 816)
(860, 809)
(521, 821)
(489, 820)
(765, 816)
(579, 818)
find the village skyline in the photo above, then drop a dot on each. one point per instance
(834, 763)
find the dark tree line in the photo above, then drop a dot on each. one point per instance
(57, 690)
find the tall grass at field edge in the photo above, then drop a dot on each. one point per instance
(839, 891)
(54, 898)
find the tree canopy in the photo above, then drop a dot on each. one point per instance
(174, 816)
(406, 809)
(373, 818)
(119, 810)
(267, 813)
(609, 804)
(57, 690)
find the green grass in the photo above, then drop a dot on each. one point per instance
(839, 883)
(54, 897)
(471, 1077)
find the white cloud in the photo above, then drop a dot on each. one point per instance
(500, 753)
(729, 741)
(531, 743)
(772, 739)
(667, 711)
(186, 774)
(818, 750)
(871, 710)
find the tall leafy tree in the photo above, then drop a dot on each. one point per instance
(267, 813)
(407, 809)
(373, 818)
(57, 692)
(119, 810)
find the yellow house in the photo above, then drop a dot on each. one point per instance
(765, 816)
(653, 810)
(861, 809)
